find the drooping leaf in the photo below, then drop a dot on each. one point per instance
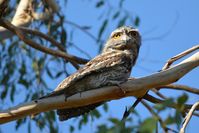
(137, 21)
(116, 15)
(95, 113)
(102, 28)
(86, 27)
(12, 92)
(148, 125)
(170, 120)
(72, 129)
(121, 3)
(4, 93)
(178, 118)
(63, 37)
(105, 107)
(122, 21)
(99, 4)
(182, 99)
(166, 103)
(114, 120)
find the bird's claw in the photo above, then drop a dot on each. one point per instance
(124, 92)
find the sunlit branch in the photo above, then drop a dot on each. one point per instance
(133, 87)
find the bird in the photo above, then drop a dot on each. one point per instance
(111, 67)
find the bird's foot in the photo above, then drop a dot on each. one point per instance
(80, 94)
(66, 98)
(124, 92)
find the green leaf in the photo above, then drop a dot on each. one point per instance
(102, 28)
(72, 129)
(58, 74)
(102, 129)
(148, 126)
(116, 15)
(162, 106)
(137, 21)
(85, 119)
(96, 113)
(4, 93)
(178, 118)
(5, 79)
(20, 122)
(181, 102)
(22, 70)
(29, 127)
(122, 21)
(63, 36)
(49, 73)
(121, 3)
(86, 27)
(114, 120)
(170, 120)
(182, 99)
(105, 107)
(34, 96)
(99, 4)
(12, 93)
(23, 82)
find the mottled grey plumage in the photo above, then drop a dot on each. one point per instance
(111, 67)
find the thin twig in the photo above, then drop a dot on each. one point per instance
(179, 56)
(82, 29)
(180, 87)
(155, 90)
(79, 49)
(19, 33)
(162, 124)
(46, 37)
(131, 109)
(174, 105)
(188, 117)
(50, 39)
(158, 93)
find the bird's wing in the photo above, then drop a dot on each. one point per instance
(100, 63)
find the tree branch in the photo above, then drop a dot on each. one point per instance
(24, 15)
(135, 87)
(162, 124)
(46, 37)
(179, 56)
(180, 87)
(156, 100)
(19, 33)
(188, 117)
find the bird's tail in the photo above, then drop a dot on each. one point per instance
(54, 93)
(65, 114)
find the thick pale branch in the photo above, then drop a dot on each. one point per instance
(24, 15)
(134, 87)
(21, 18)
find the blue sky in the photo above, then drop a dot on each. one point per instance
(167, 27)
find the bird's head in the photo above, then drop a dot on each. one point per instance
(123, 38)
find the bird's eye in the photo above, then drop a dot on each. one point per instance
(133, 33)
(117, 35)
